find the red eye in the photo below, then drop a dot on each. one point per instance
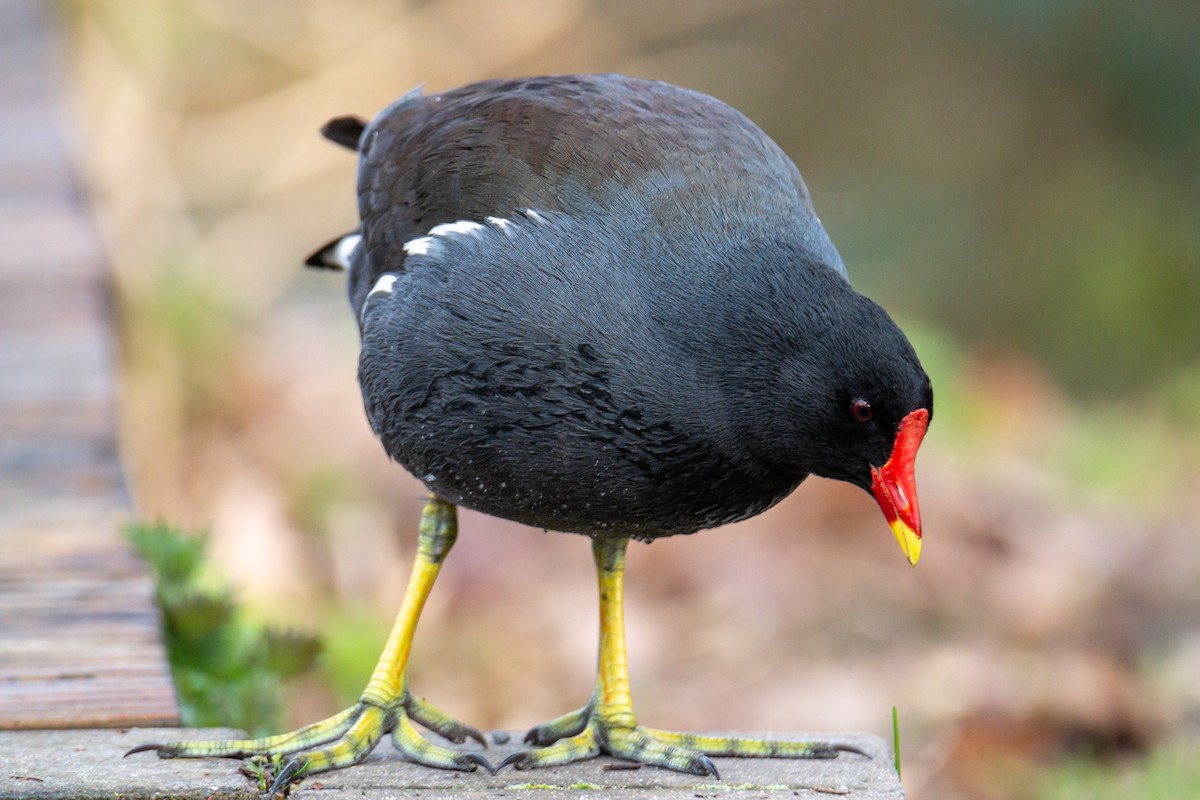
(862, 410)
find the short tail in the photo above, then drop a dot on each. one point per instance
(346, 131)
(336, 254)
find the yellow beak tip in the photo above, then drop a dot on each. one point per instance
(909, 541)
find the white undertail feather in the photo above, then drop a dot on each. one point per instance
(344, 250)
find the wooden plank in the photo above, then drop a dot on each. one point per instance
(79, 637)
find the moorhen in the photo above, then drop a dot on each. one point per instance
(600, 305)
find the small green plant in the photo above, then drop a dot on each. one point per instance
(262, 771)
(227, 668)
(896, 739)
(255, 768)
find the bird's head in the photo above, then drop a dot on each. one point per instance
(863, 403)
(878, 414)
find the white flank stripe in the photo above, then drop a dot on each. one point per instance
(383, 285)
(500, 222)
(419, 246)
(461, 228)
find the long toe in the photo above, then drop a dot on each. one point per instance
(355, 743)
(408, 740)
(343, 740)
(316, 734)
(421, 711)
(637, 744)
(631, 744)
(681, 752)
(740, 747)
(580, 747)
(563, 727)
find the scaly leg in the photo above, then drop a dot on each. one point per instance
(607, 723)
(386, 706)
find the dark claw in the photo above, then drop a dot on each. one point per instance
(516, 759)
(284, 777)
(538, 737)
(707, 767)
(464, 732)
(479, 760)
(163, 750)
(474, 734)
(849, 748)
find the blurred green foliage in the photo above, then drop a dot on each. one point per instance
(350, 645)
(190, 328)
(1168, 774)
(1092, 447)
(227, 668)
(1028, 178)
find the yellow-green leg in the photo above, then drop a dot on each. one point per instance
(386, 705)
(607, 723)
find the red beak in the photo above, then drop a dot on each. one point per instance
(895, 485)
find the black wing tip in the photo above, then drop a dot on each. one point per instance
(346, 131)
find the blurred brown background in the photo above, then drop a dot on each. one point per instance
(1018, 182)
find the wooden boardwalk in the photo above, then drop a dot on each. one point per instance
(79, 641)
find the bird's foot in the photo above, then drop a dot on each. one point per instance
(587, 733)
(343, 740)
